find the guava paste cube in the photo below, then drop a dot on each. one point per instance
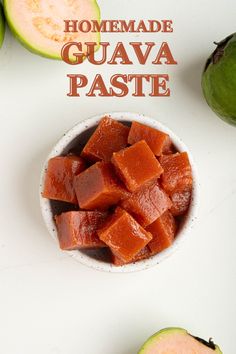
(163, 231)
(98, 187)
(147, 204)
(159, 142)
(78, 229)
(59, 178)
(177, 175)
(125, 237)
(110, 136)
(143, 254)
(180, 202)
(136, 165)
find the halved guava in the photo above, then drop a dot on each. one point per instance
(176, 341)
(39, 24)
(2, 25)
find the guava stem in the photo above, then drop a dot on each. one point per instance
(218, 52)
(209, 344)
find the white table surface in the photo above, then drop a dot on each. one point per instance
(49, 303)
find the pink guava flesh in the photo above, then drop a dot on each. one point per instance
(176, 342)
(39, 24)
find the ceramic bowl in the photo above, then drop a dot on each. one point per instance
(74, 140)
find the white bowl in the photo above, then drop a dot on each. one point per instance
(79, 134)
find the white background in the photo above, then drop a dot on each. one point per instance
(49, 303)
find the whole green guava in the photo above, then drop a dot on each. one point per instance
(2, 25)
(219, 80)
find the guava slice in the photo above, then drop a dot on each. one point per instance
(2, 25)
(177, 341)
(39, 24)
(219, 80)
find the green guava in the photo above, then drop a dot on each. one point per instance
(39, 24)
(177, 340)
(219, 80)
(2, 25)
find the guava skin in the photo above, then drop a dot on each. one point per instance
(219, 80)
(2, 25)
(172, 331)
(33, 47)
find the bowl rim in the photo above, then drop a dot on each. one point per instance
(188, 224)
